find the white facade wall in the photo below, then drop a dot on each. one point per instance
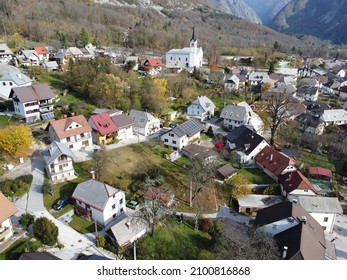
(297, 192)
(75, 142)
(250, 158)
(171, 140)
(309, 97)
(125, 133)
(326, 220)
(61, 169)
(231, 124)
(5, 225)
(6, 86)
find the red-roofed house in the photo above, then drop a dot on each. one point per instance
(274, 163)
(320, 173)
(295, 183)
(104, 130)
(74, 131)
(153, 66)
(7, 210)
(42, 52)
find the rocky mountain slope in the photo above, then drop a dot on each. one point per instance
(325, 19)
(267, 9)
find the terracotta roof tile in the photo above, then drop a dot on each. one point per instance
(7, 209)
(61, 127)
(104, 124)
(295, 180)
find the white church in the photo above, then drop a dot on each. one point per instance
(186, 57)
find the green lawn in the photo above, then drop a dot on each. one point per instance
(256, 176)
(308, 159)
(175, 241)
(82, 225)
(15, 250)
(4, 121)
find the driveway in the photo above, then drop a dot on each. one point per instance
(73, 243)
(339, 237)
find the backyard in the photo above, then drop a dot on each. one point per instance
(193, 245)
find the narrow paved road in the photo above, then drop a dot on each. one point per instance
(73, 242)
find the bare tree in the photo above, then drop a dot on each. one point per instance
(158, 205)
(100, 162)
(277, 112)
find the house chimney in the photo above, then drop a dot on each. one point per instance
(303, 219)
(65, 116)
(128, 224)
(271, 157)
(72, 114)
(92, 174)
(285, 251)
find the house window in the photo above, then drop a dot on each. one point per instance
(114, 216)
(305, 190)
(122, 210)
(70, 146)
(174, 142)
(324, 228)
(171, 135)
(11, 83)
(113, 206)
(326, 219)
(121, 201)
(4, 83)
(166, 140)
(68, 139)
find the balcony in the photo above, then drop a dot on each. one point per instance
(4, 233)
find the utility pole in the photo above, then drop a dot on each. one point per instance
(191, 194)
(96, 231)
(135, 250)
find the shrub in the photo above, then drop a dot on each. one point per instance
(47, 188)
(100, 241)
(46, 231)
(25, 220)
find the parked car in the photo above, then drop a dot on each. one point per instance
(132, 204)
(61, 203)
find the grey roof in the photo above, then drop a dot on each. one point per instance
(205, 103)
(308, 90)
(234, 112)
(140, 118)
(259, 200)
(50, 64)
(27, 53)
(227, 170)
(193, 150)
(74, 51)
(321, 204)
(5, 50)
(55, 150)
(189, 128)
(33, 92)
(122, 120)
(334, 115)
(17, 77)
(94, 193)
(233, 80)
(243, 138)
(126, 229)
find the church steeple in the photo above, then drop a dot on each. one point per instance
(193, 41)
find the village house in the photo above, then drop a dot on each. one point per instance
(274, 163)
(98, 201)
(6, 54)
(50, 66)
(316, 109)
(309, 93)
(127, 230)
(33, 102)
(28, 58)
(299, 236)
(323, 210)
(59, 162)
(295, 184)
(245, 143)
(232, 83)
(7, 210)
(42, 52)
(74, 131)
(310, 124)
(201, 108)
(334, 117)
(104, 131)
(241, 114)
(182, 135)
(191, 56)
(152, 66)
(124, 123)
(250, 204)
(255, 78)
(12, 77)
(144, 123)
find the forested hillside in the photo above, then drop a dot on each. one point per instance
(59, 23)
